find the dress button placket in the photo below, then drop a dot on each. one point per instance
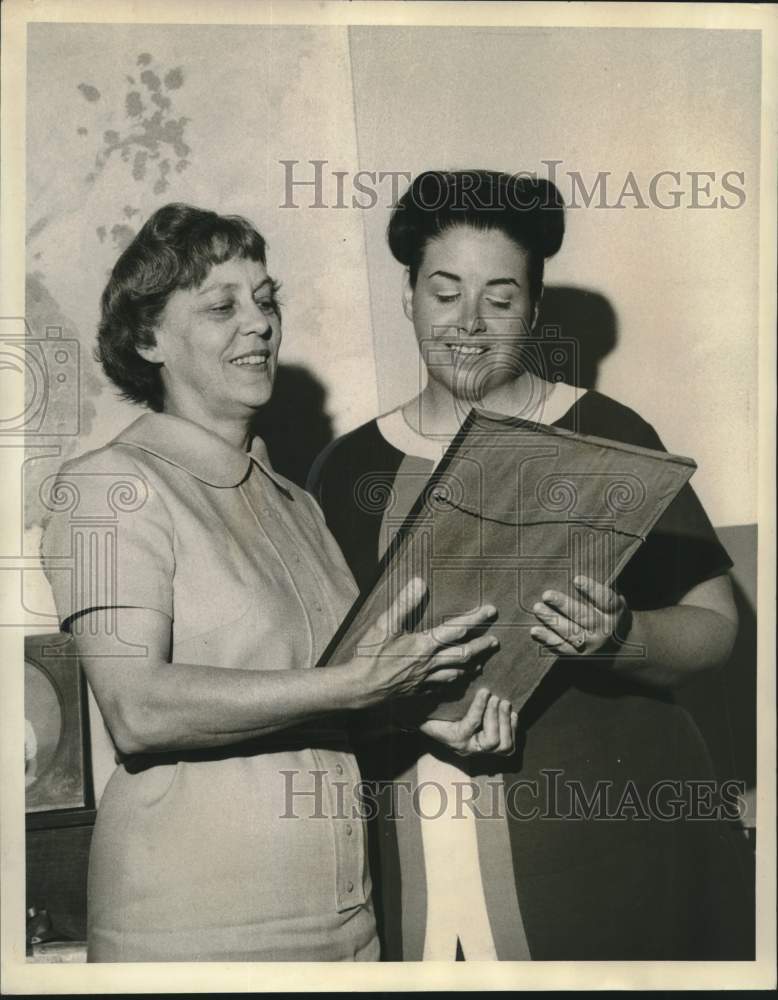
(340, 780)
(349, 851)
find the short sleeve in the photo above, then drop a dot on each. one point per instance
(108, 539)
(681, 551)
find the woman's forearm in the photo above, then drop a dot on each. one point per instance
(188, 706)
(666, 648)
(152, 705)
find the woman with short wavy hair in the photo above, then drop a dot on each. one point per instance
(230, 829)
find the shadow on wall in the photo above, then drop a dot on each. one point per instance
(587, 332)
(295, 424)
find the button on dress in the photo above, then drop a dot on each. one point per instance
(248, 853)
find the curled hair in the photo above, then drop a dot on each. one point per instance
(176, 248)
(528, 210)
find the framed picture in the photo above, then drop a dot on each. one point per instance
(55, 726)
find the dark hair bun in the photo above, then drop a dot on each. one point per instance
(529, 210)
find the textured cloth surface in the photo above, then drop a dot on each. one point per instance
(512, 509)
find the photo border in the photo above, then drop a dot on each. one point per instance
(18, 976)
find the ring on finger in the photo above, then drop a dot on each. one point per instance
(578, 640)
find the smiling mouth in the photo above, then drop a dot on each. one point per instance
(467, 350)
(251, 361)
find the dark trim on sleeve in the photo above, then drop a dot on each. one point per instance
(353, 480)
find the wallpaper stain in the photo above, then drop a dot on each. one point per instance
(152, 141)
(150, 145)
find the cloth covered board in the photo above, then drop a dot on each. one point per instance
(513, 509)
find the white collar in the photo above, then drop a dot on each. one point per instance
(198, 451)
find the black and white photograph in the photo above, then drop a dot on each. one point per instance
(388, 428)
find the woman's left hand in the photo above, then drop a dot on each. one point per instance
(489, 726)
(580, 625)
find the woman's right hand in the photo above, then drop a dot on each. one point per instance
(488, 726)
(394, 663)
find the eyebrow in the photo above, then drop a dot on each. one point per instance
(492, 281)
(228, 286)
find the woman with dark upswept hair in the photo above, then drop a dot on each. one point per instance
(501, 880)
(230, 829)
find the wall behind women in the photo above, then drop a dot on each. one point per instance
(122, 119)
(679, 285)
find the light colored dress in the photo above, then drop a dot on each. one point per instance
(216, 855)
